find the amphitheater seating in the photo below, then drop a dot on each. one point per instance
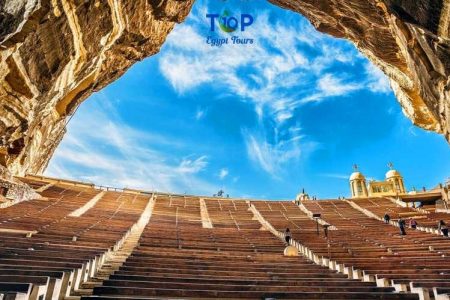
(372, 246)
(230, 213)
(45, 253)
(177, 257)
(59, 251)
(380, 206)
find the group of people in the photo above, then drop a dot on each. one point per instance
(442, 227)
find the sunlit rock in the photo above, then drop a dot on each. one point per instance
(54, 54)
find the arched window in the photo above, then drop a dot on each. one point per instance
(397, 185)
(353, 189)
(359, 185)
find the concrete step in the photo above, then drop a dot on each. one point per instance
(103, 274)
(110, 268)
(72, 298)
(115, 258)
(94, 280)
(91, 284)
(117, 261)
(82, 292)
(102, 278)
(120, 254)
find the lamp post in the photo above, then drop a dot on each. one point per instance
(316, 217)
(325, 229)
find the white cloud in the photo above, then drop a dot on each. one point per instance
(277, 73)
(290, 64)
(275, 69)
(117, 155)
(336, 176)
(271, 156)
(390, 110)
(189, 62)
(261, 153)
(189, 166)
(199, 114)
(331, 86)
(412, 130)
(377, 81)
(223, 173)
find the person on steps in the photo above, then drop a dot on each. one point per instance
(412, 223)
(387, 218)
(401, 224)
(287, 235)
(442, 227)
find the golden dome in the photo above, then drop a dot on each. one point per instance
(357, 175)
(290, 251)
(392, 173)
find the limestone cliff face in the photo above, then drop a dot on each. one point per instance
(55, 53)
(407, 39)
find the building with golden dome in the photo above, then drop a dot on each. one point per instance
(302, 196)
(392, 185)
(394, 177)
(358, 185)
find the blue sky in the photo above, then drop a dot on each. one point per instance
(294, 109)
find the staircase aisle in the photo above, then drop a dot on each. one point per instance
(116, 258)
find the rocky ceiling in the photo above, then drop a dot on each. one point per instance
(55, 53)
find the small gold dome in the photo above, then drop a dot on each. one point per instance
(290, 251)
(392, 173)
(357, 175)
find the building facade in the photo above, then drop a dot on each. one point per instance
(392, 185)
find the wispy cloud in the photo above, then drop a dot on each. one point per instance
(117, 155)
(199, 114)
(331, 86)
(223, 173)
(412, 131)
(273, 65)
(377, 81)
(336, 176)
(287, 66)
(192, 166)
(271, 156)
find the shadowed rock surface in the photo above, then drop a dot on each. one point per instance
(55, 53)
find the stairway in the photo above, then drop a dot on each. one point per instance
(116, 258)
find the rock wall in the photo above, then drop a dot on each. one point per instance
(13, 190)
(55, 53)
